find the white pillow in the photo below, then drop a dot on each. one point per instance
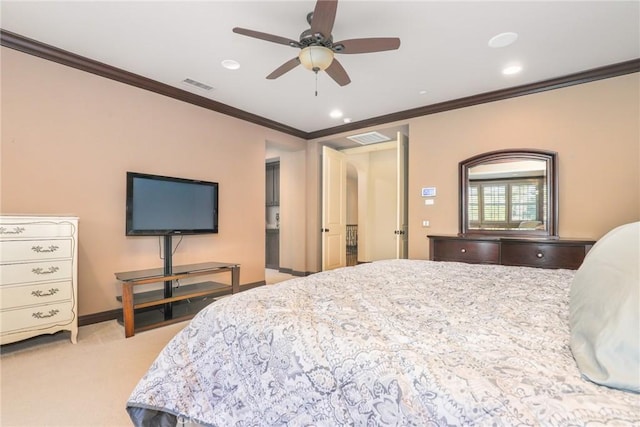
(604, 309)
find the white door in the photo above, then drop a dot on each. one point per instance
(402, 215)
(334, 209)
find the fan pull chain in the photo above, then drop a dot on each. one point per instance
(316, 83)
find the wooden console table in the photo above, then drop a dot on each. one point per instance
(185, 309)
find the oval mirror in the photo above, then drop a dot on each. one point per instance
(509, 192)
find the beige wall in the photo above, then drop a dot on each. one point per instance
(314, 206)
(293, 222)
(593, 127)
(352, 196)
(68, 137)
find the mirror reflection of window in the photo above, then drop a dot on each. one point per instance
(507, 191)
(513, 199)
(507, 204)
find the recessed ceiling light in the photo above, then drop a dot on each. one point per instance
(336, 114)
(346, 120)
(422, 92)
(511, 69)
(503, 39)
(230, 64)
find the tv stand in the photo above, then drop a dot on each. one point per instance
(175, 300)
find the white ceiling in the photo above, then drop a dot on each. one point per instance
(444, 48)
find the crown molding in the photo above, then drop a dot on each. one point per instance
(619, 69)
(51, 53)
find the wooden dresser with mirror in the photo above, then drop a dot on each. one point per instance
(509, 214)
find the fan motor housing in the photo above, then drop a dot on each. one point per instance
(307, 38)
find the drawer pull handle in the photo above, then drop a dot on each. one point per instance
(40, 249)
(50, 270)
(40, 315)
(16, 230)
(463, 250)
(540, 255)
(40, 293)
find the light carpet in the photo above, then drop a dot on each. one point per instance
(48, 381)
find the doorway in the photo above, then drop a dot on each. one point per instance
(272, 215)
(381, 200)
(352, 215)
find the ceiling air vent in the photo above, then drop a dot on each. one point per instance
(197, 84)
(369, 138)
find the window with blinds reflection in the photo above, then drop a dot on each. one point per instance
(516, 203)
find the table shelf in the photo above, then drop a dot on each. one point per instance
(180, 293)
(187, 300)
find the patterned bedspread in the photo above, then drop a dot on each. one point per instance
(402, 342)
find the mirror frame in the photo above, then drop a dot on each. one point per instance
(549, 157)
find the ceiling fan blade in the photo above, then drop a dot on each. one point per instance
(287, 66)
(323, 17)
(378, 44)
(265, 36)
(337, 73)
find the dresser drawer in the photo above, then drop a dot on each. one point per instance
(10, 229)
(38, 316)
(35, 272)
(38, 276)
(35, 250)
(486, 252)
(544, 255)
(28, 295)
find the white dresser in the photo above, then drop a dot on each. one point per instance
(38, 276)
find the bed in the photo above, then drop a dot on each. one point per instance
(389, 343)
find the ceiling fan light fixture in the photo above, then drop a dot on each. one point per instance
(316, 58)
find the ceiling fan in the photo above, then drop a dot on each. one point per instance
(317, 45)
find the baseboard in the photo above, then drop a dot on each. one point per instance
(248, 286)
(294, 272)
(105, 316)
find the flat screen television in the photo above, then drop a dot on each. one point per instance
(164, 206)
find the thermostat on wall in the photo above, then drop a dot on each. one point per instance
(428, 191)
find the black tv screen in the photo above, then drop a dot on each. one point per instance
(162, 205)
